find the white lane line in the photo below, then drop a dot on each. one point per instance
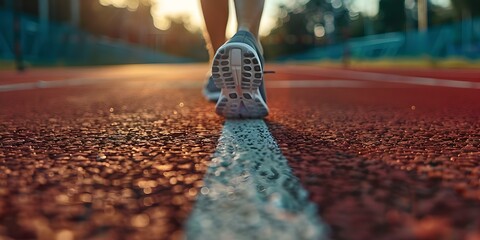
(364, 82)
(177, 84)
(73, 82)
(316, 84)
(382, 77)
(250, 192)
(51, 84)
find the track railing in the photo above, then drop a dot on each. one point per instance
(455, 40)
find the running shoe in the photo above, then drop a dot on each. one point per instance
(238, 71)
(210, 91)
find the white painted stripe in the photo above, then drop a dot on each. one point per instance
(53, 84)
(17, 87)
(316, 84)
(72, 82)
(361, 81)
(250, 192)
(178, 84)
(381, 77)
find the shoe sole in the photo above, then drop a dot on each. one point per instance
(238, 73)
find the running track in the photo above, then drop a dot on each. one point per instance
(134, 152)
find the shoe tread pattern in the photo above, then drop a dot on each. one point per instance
(240, 96)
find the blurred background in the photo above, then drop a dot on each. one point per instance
(97, 32)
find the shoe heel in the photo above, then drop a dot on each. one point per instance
(236, 57)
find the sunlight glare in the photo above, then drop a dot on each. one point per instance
(165, 10)
(190, 11)
(129, 4)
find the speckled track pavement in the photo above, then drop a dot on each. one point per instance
(125, 160)
(102, 162)
(386, 163)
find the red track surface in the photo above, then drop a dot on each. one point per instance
(385, 161)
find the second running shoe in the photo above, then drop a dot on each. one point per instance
(238, 71)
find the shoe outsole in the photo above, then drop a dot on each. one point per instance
(237, 71)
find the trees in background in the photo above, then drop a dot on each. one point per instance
(308, 24)
(301, 25)
(132, 23)
(135, 25)
(322, 22)
(466, 8)
(391, 16)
